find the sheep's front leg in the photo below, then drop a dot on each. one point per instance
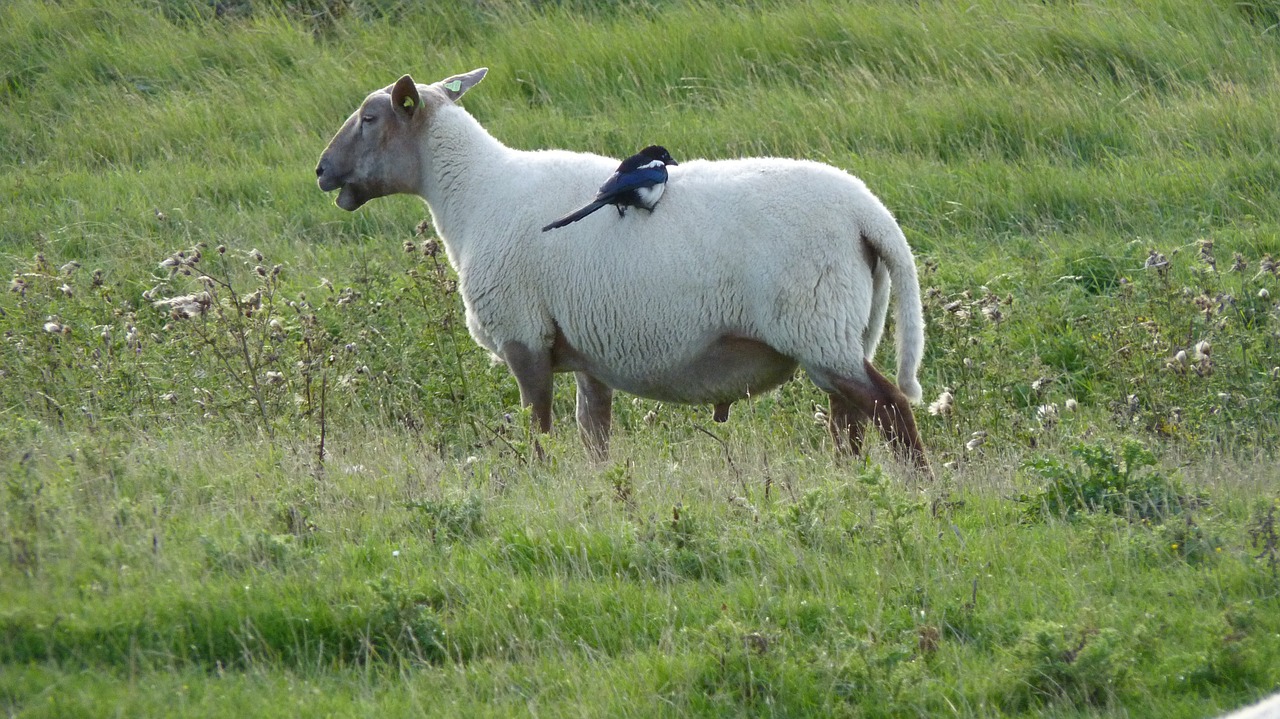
(532, 370)
(595, 413)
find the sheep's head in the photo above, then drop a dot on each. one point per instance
(378, 150)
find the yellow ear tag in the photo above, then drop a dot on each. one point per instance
(408, 102)
(453, 86)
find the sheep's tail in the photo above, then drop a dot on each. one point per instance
(576, 215)
(891, 248)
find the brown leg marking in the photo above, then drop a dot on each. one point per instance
(595, 414)
(891, 412)
(721, 413)
(846, 422)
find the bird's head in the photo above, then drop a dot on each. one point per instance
(659, 153)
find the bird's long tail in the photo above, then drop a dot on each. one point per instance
(892, 248)
(575, 215)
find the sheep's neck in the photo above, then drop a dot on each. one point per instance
(461, 162)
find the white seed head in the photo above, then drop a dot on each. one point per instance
(1263, 294)
(52, 328)
(1071, 405)
(942, 406)
(975, 443)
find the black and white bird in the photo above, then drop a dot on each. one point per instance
(638, 182)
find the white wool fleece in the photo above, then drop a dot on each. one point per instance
(766, 249)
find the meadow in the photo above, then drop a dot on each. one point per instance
(251, 464)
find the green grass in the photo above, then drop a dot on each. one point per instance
(1091, 190)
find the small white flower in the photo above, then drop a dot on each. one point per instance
(52, 328)
(395, 553)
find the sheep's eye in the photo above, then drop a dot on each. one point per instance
(368, 119)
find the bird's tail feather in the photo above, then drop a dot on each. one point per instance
(575, 215)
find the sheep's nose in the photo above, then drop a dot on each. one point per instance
(320, 170)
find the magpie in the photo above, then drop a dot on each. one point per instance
(638, 182)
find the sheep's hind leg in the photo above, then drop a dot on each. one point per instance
(720, 412)
(532, 370)
(846, 423)
(889, 409)
(595, 413)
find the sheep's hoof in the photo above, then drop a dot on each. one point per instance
(721, 412)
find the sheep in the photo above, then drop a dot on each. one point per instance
(747, 270)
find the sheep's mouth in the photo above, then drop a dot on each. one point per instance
(351, 198)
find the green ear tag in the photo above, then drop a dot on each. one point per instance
(408, 102)
(453, 86)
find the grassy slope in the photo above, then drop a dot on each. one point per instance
(171, 545)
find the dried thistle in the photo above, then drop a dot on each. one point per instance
(977, 439)
(1158, 262)
(1205, 253)
(943, 405)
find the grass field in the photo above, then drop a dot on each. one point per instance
(313, 495)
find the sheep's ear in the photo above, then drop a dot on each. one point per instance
(405, 97)
(458, 84)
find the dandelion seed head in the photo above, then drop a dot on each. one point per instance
(255, 255)
(1071, 405)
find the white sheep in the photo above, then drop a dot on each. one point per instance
(746, 269)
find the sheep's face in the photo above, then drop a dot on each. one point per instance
(378, 151)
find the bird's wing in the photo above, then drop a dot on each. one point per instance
(628, 181)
